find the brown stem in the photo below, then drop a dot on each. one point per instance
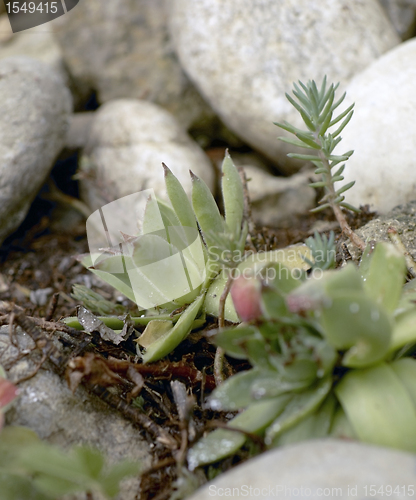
(223, 298)
(342, 221)
(219, 354)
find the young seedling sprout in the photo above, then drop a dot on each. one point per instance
(316, 107)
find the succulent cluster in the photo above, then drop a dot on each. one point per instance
(329, 349)
(195, 233)
(326, 351)
(194, 237)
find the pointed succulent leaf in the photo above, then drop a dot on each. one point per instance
(312, 93)
(320, 208)
(302, 157)
(172, 338)
(294, 142)
(379, 407)
(338, 178)
(344, 113)
(233, 195)
(325, 102)
(293, 130)
(205, 208)
(339, 199)
(119, 281)
(339, 102)
(325, 124)
(301, 96)
(153, 220)
(339, 171)
(349, 207)
(338, 158)
(169, 216)
(322, 96)
(307, 139)
(343, 124)
(318, 184)
(153, 331)
(179, 200)
(302, 111)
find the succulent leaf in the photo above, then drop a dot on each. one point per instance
(222, 443)
(379, 407)
(385, 275)
(249, 386)
(317, 425)
(233, 195)
(299, 407)
(165, 344)
(355, 322)
(205, 208)
(179, 200)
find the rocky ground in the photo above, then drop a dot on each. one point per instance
(107, 95)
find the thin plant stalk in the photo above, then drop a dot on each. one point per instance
(342, 221)
(219, 354)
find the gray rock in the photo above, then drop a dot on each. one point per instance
(124, 50)
(34, 110)
(402, 218)
(129, 139)
(38, 43)
(47, 406)
(79, 130)
(278, 199)
(402, 14)
(382, 131)
(319, 469)
(243, 56)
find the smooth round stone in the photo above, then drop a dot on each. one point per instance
(129, 139)
(319, 469)
(124, 50)
(34, 114)
(382, 132)
(244, 55)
